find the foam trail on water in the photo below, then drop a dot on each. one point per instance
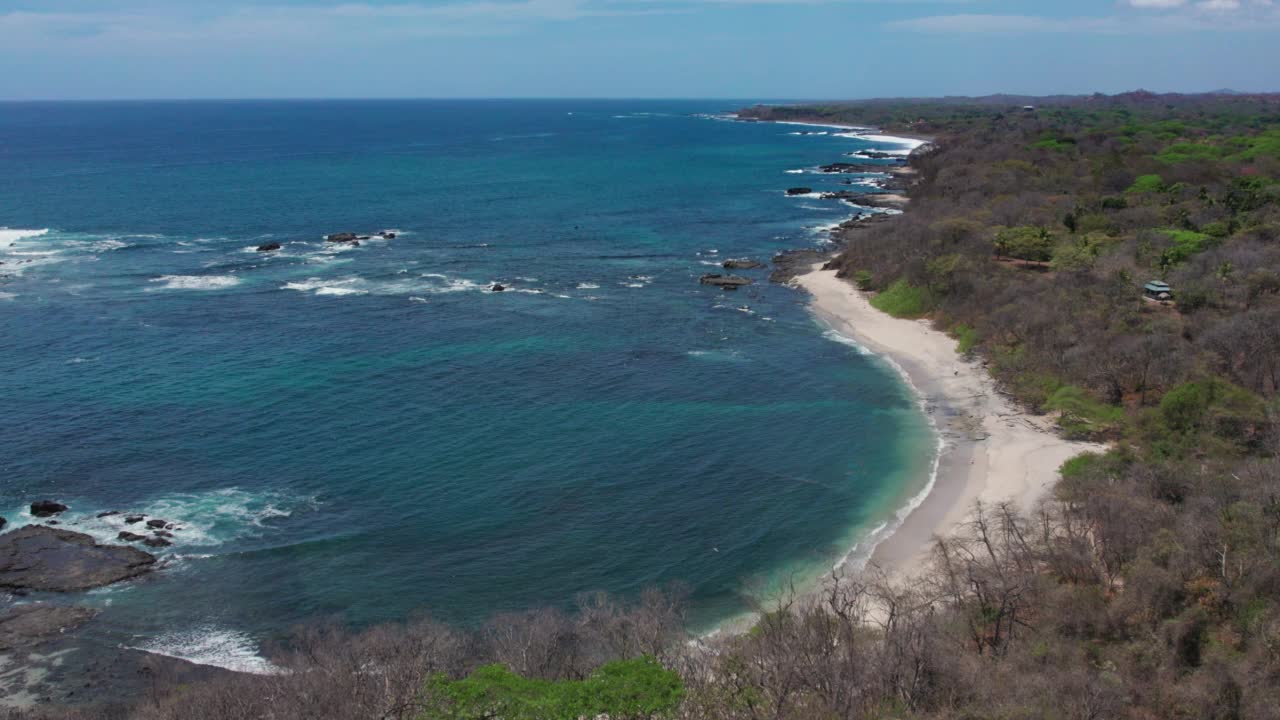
(197, 282)
(214, 646)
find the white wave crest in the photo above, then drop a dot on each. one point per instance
(11, 235)
(217, 647)
(845, 340)
(197, 282)
(340, 291)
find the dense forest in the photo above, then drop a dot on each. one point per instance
(1147, 587)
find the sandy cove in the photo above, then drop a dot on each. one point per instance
(992, 449)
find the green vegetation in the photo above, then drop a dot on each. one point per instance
(1186, 152)
(1024, 243)
(1186, 243)
(1146, 184)
(967, 337)
(623, 690)
(904, 300)
(1083, 417)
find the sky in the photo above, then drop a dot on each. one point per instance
(742, 49)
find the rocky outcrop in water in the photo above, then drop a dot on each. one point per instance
(741, 264)
(877, 155)
(46, 508)
(498, 287)
(347, 237)
(791, 263)
(127, 536)
(799, 191)
(874, 200)
(269, 247)
(51, 560)
(725, 282)
(844, 167)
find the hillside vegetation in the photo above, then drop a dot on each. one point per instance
(1147, 587)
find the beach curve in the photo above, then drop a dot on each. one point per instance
(990, 450)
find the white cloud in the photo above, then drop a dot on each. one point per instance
(1177, 16)
(1007, 24)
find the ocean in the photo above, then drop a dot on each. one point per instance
(368, 432)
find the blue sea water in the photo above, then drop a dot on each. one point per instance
(369, 431)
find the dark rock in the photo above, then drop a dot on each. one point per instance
(130, 537)
(844, 167)
(741, 264)
(131, 519)
(52, 522)
(875, 200)
(725, 282)
(876, 155)
(355, 243)
(341, 237)
(791, 263)
(29, 625)
(388, 235)
(156, 542)
(498, 287)
(3, 522)
(46, 508)
(108, 513)
(268, 247)
(51, 560)
(157, 523)
(799, 191)
(162, 533)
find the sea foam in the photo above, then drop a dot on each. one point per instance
(214, 646)
(197, 282)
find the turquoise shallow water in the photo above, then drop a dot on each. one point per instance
(368, 431)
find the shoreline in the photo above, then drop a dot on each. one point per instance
(988, 449)
(875, 134)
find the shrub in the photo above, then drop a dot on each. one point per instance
(967, 337)
(1147, 184)
(1025, 243)
(1185, 152)
(1082, 416)
(1214, 406)
(622, 689)
(1185, 244)
(904, 300)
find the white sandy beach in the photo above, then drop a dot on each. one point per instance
(992, 450)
